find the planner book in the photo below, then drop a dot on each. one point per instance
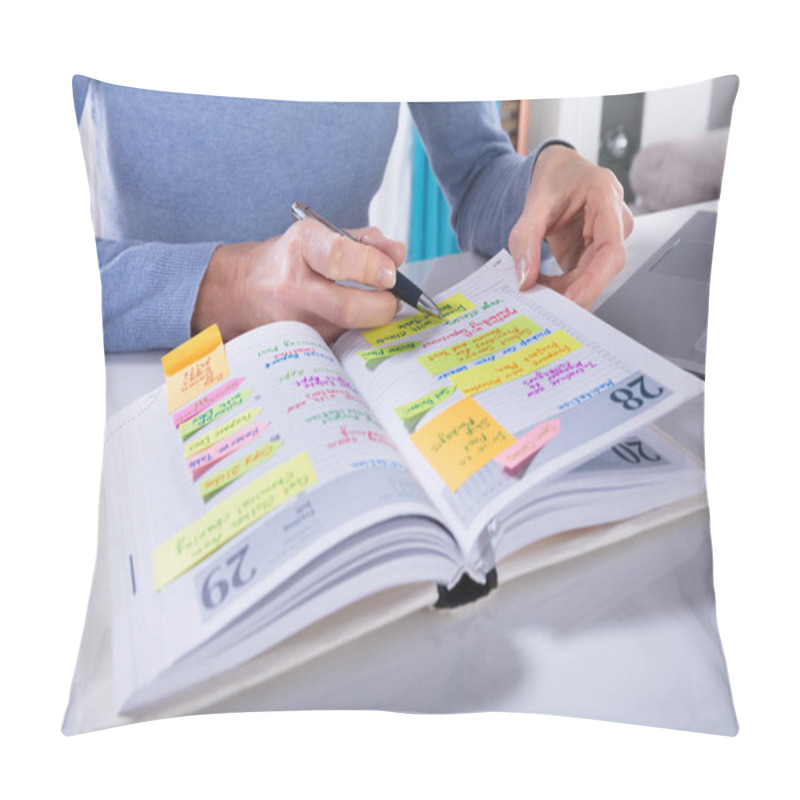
(277, 496)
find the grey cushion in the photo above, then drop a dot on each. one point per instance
(680, 172)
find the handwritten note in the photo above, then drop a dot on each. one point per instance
(220, 432)
(206, 401)
(221, 523)
(186, 429)
(211, 456)
(485, 344)
(222, 478)
(528, 445)
(515, 365)
(347, 436)
(411, 412)
(194, 367)
(416, 323)
(294, 351)
(461, 440)
(378, 354)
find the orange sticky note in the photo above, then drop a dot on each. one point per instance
(461, 440)
(194, 367)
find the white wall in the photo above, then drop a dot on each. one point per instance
(673, 113)
(679, 113)
(390, 209)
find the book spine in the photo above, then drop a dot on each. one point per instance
(465, 591)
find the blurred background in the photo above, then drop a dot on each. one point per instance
(666, 147)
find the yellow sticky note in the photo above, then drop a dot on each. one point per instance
(461, 440)
(515, 365)
(194, 367)
(220, 479)
(486, 344)
(408, 326)
(220, 432)
(220, 524)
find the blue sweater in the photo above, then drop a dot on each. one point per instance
(178, 174)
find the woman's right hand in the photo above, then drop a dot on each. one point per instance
(293, 277)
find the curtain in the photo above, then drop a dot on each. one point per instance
(430, 234)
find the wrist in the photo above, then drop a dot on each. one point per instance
(221, 291)
(553, 150)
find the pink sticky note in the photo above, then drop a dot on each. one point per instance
(527, 446)
(206, 401)
(207, 458)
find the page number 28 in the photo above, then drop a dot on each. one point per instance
(634, 395)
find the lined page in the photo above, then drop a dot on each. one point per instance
(500, 364)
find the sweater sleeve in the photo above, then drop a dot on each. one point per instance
(148, 288)
(148, 292)
(484, 180)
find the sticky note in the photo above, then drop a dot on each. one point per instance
(378, 354)
(186, 429)
(220, 432)
(515, 365)
(194, 367)
(485, 344)
(408, 326)
(220, 479)
(231, 516)
(528, 445)
(206, 401)
(461, 440)
(422, 405)
(207, 458)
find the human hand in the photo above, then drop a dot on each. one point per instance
(578, 207)
(292, 277)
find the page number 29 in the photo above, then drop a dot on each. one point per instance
(634, 395)
(225, 577)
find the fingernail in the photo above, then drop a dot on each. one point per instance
(386, 277)
(522, 271)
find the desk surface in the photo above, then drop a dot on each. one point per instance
(626, 634)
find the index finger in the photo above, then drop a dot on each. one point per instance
(349, 307)
(340, 258)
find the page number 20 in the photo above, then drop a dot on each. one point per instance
(636, 394)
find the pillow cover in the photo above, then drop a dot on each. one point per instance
(355, 595)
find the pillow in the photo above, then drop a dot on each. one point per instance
(275, 507)
(679, 172)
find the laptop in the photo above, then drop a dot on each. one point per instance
(664, 304)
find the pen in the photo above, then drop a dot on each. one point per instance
(403, 289)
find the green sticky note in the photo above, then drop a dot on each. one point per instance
(413, 411)
(212, 414)
(378, 354)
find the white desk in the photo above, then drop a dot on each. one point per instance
(626, 634)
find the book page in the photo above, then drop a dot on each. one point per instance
(214, 506)
(508, 390)
(642, 471)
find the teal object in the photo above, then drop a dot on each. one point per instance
(430, 234)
